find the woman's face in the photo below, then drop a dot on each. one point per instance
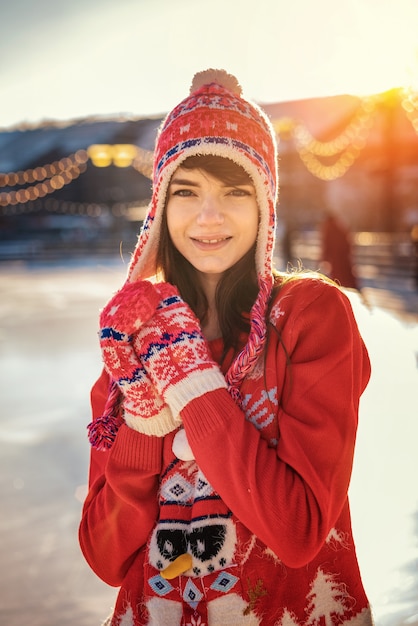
(211, 223)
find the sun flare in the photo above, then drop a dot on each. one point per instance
(384, 51)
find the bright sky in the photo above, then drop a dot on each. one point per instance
(65, 60)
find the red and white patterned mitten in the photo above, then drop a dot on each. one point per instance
(175, 354)
(144, 409)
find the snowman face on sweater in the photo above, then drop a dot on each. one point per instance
(210, 542)
(193, 520)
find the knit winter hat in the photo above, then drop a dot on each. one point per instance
(215, 119)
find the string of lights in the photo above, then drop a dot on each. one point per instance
(52, 176)
(347, 145)
(409, 104)
(355, 131)
(48, 171)
(337, 169)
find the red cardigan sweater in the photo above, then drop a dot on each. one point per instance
(263, 509)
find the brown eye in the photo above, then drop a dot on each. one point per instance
(240, 192)
(183, 193)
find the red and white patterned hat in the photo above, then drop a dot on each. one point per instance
(215, 119)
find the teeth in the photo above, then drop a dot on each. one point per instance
(211, 240)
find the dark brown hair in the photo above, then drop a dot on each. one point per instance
(238, 287)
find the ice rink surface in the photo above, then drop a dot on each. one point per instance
(49, 358)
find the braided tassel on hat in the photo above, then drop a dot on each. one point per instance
(102, 430)
(246, 359)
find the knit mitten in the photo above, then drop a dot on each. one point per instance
(143, 408)
(174, 353)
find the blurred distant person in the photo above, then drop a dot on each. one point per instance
(336, 252)
(414, 239)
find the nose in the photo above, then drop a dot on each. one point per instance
(210, 212)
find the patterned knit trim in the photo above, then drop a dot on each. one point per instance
(157, 426)
(196, 384)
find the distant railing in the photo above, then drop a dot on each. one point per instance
(49, 249)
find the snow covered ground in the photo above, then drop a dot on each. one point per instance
(49, 358)
(384, 493)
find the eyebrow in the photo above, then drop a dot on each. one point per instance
(191, 183)
(183, 181)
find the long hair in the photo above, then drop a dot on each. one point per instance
(237, 289)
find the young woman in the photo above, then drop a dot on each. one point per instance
(225, 419)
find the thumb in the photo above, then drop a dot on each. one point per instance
(131, 307)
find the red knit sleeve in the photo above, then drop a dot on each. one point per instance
(121, 506)
(290, 496)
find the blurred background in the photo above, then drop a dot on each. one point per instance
(84, 87)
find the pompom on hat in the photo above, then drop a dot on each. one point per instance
(215, 119)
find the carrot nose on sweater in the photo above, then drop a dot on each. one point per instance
(180, 565)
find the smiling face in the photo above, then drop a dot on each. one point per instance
(213, 224)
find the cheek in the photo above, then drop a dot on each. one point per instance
(176, 229)
(173, 221)
(252, 225)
